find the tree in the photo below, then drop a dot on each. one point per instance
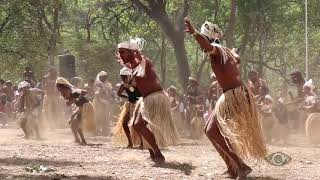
(49, 21)
(231, 25)
(156, 9)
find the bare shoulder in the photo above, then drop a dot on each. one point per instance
(148, 61)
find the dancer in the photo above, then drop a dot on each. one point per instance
(152, 115)
(30, 110)
(83, 118)
(102, 103)
(193, 92)
(255, 83)
(132, 96)
(233, 128)
(198, 122)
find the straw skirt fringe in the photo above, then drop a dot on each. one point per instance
(155, 110)
(238, 121)
(88, 121)
(119, 136)
(197, 126)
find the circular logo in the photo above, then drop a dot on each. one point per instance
(278, 159)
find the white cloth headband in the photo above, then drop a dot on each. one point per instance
(309, 84)
(136, 44)
(23, 84)
(212, 31)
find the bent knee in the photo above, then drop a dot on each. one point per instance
(211, 128)
(139, 123)
(207, 130)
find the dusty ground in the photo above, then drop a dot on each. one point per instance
(104, 160)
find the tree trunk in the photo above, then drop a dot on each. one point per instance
(51, 51)
(87, 27)
(200, 69)
(163, 65)
(174, 31)
(182, 62)
(231, 25)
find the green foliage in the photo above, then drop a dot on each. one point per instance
(270, 34)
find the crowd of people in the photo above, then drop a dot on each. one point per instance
(140, 112)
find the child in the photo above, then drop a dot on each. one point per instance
(83, 118)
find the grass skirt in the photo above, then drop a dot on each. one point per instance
(180, 123)
(197, 127)
(155, 110)
(312, 127)
(119, 136)
(88, 121)
(238, 121)
(102, 114)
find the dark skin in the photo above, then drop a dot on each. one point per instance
(228, 77)
(214, 91)
(255, 82)
(24, 92)
(192, 91)
(28, 75)
(173, 98)
(8, 90)
(125, 85)
(146, 85)
(74, 123)
(298, 81)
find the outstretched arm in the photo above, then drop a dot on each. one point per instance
(202, 41)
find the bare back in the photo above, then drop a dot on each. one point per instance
(149, 83)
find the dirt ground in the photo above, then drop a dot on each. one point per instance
(103, 160)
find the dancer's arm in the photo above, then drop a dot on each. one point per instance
(202, 41)
(120, 91)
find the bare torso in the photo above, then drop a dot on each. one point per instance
(227, 74)
(193, 93)
(149, 83)
(255, 86)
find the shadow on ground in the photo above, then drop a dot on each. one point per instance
(186, 168)
(17, 161)
(262, 178)
(54, 177)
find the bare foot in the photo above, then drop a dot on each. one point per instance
(84, 143)
(229, 174)
(130, 146)
(152, 156)
(77, 141)
(243, 173)
(159, 158)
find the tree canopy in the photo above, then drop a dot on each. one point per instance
(269, 35)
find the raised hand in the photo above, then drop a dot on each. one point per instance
(188, 26)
